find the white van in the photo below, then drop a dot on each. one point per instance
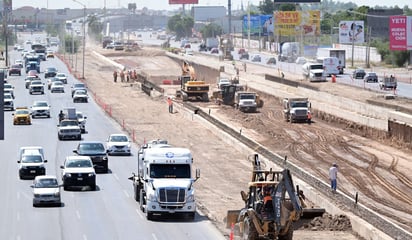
(330, 65)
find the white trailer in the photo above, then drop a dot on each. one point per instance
(340, 54)
(164, 183)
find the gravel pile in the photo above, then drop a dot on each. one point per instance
(329, 223)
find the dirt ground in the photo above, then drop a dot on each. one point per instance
(372, 167)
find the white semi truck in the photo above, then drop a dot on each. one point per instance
(164, 182)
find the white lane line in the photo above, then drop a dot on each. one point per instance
(18, 195)
(115, 176)
(26, 195)
(139, 213)
(18, 216)
(18, 237)
(154, 236)
(78, 214)
(126, 193)
(84, 237)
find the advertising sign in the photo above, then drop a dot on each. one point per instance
(183, 1)
(259, 25)
(293, 23)
(351, 31)
(6, 5)
(400, 33)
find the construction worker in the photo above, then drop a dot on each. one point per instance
(61, 115)
(333, 175)
(115, 76)
(170, 104)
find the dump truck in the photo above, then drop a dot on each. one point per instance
(164, 183)
(297, 110)
(272, 206)
(190, 87)
(247, 101)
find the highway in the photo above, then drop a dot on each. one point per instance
(110, 212)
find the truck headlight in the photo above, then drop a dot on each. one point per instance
(151, 197)
(91, 174)
(68, 175)
(190, 198)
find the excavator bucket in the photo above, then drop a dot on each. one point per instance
(309, 213)
(231, 218)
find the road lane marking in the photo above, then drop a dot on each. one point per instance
(18, 216)
(126, 193)
(154, 236)
(78, 214)
(18, 237)
(84, 237)
(115, 176)
(18, 195)
(139, 213)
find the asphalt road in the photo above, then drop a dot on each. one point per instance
(110, 212)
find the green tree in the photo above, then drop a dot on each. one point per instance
(95, 27)
(266, 7)
(181, 25)
(211, 30)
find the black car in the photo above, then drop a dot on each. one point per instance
(359, 74)
(244, 55)
(50, 72)
(96, 151)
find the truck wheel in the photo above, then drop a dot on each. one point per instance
(142, 200)
(249, 230)
(288, 235)
(290, 119)
(205, 97)
(191, 216)
(136, 193)
(93, 187)
(149, 215)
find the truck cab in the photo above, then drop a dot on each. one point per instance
(246, 101)
(314, 72)
(297, 110)
(164, 183)
(31, 162)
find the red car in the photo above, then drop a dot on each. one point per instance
(15, 69)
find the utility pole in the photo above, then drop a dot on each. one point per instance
(229, 9)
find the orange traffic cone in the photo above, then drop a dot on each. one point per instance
(232, 232)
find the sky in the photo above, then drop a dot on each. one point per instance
(164, 4)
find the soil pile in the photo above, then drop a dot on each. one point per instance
(329, 223)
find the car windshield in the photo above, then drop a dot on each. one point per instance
(57, 83)
(60, 75)
(68, 123)
(78, 163)
(79, 85)
(20, 112)
(51, 69)
(46, 183)
(372, 74)
(118, 139)
(40, 104)
(81, 91)
(7, 96)
(31, 159)
(8, 86)
(91, 147)
(15, 66)
(79, 115)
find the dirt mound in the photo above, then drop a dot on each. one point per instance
(329, 222)
(149, 52)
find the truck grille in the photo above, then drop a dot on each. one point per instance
(172, 195)
(301, 113)
(318, 74)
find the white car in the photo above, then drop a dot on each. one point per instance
(118, 144)
(300, 60)
(80, 96)
(31, 162)
(46, 190)
(57, 86)
(8, 101)
(40, 109)
(19, 62)
(78, 171)
(9, 88)
(36, 86)
(62, 77)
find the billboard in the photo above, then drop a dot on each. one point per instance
(351, 31)
(297, 23)
(183, 1)
(259, 25)
(400, 33)
(6, 5)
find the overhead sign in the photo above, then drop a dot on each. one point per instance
(351, 32)
(183, 1)
(297, 23)
(400, 33)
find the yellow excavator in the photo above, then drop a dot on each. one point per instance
(272, 205)
(190, 87)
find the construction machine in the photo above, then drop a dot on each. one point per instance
(297, 109)
(226, 46)
(272, 205)
(190, 87)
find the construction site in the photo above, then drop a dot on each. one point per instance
(300, 127)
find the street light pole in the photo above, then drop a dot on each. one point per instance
(84, 33)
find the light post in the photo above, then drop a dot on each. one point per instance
(84, 33)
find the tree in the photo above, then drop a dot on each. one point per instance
(266, 7)
(181, 25)
(95, 27)
(211, 30)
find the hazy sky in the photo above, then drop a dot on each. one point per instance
(164, 4)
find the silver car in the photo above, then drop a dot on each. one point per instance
(46, 190)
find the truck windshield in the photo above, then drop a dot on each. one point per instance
(247, 96)
(299, 104)
(317, 66)
(170, 171)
